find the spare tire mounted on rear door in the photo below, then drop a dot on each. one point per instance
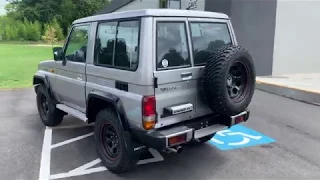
(229, 80)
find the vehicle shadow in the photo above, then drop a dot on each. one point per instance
(195, 162)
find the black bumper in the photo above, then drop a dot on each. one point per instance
(158, 139)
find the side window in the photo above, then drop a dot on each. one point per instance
(76, 48)
(126, 51)
(172, 45)
(206, 38)
(105, 43)
(117, 44)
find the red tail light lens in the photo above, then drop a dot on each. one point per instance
(149, 112)
(149, 105)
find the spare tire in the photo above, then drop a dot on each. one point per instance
(229, 80)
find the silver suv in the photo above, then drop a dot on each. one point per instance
(155, 78)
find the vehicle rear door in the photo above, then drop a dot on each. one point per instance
(175, 83)
(207, 35)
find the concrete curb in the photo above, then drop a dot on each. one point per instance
(306, 96)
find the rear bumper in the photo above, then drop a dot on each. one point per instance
(193, 129)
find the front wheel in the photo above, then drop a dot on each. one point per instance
(114, 146)
(49, 114)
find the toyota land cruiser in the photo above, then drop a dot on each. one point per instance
(155, 78)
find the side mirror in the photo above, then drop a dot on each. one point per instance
(58, 53)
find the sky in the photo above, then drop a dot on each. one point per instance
(2, 4)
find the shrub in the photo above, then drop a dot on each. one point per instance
(50, 35)
(33, 30)
(57, 27)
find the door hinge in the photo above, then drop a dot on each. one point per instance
(155, 82)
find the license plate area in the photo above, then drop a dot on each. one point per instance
(178, 109)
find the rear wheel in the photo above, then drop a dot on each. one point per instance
(49, 114)
(229, 80)
(114, 146)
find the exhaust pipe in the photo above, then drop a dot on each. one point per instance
(177, 149)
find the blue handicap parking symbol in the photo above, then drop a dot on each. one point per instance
(239, 136)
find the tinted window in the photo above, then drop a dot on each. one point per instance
(126, 54)
(207, 37)
(76, 48)
(117, 44)
(172, 45)
(105, 43)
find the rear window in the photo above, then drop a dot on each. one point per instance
(172, 46)
(207, 37)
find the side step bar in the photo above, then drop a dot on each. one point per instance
(73, 112)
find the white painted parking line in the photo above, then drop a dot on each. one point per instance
(85, 169)
(73, 126)
(87, 166)
(71, 140)
(46, 155)
(73, 174)
(157, 157)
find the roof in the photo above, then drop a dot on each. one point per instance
(153, 12)
(113, 5)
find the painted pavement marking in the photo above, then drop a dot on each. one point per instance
(239, 136)
(44, 173)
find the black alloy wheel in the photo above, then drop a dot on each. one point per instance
(110, 141)
(237, 81)
(44, 108)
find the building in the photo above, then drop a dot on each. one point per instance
(281, 35)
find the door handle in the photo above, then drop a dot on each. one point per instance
(186, 76)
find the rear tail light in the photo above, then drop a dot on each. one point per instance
(239, 119)
(149, 112)
(177, 139)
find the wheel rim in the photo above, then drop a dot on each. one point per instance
(44, 104)
(237, 81)
(110, 141)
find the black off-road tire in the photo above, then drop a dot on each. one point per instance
(126, 159)
(215, 80)
(53, 116)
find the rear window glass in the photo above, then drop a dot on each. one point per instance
(172, 45)
(207, 37)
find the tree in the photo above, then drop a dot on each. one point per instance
(44, 11)
(59, 32)
(50, 35)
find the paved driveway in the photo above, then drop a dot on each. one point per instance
(290, 149)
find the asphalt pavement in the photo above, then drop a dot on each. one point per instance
(29, 150)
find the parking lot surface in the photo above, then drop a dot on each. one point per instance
(280, 140)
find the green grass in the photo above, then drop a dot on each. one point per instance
(19, 62)
(60, 43)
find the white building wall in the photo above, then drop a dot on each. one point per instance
(154, 4)
(297, 37)
(140, 4)
(200, 4)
